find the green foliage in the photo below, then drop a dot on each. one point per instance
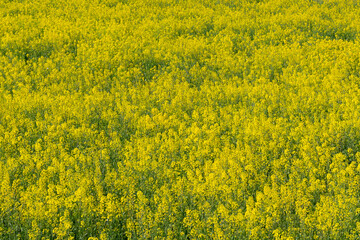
(156, 119)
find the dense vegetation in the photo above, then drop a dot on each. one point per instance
(167, 119)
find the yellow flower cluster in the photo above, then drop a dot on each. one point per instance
(167, 119)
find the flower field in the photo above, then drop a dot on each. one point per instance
(169, 119)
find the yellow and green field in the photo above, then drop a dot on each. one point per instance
(179, 119)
